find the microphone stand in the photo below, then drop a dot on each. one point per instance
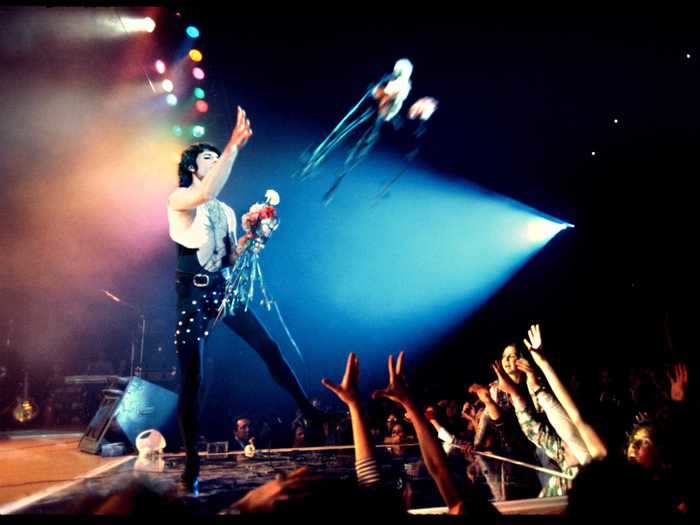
(142, 326)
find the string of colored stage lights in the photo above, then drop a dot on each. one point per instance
(198, 95)
(167, 86)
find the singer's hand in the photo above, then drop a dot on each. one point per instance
(242, 132)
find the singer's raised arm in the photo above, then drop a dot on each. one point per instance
(211, 185)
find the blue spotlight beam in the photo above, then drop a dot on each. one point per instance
(376, 279)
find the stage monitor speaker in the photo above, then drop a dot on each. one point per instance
(142, 405)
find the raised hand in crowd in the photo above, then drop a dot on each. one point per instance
(480, 391)
(490, 406)
(470, 413)
(433, 454)
(507, 385)
(533, 342)
(642, 417)
(431, 415)
(593, 441)
(533, 382)
(556, 415)
(678, 378)
(347, 392)
(397, 390)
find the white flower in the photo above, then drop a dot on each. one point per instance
(255, 208)
(272, 197)
(266, 227)
(403, 67)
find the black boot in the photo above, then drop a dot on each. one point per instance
(189, 481)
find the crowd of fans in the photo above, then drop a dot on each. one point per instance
(521, 436)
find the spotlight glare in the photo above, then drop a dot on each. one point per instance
(167, 85)
(198, 92)
(198, 73)
(177, 131)
(542, 230)
(149, 24)
(137, 25)
(171, 99)
(201, 106)
(160, 66)
(592, 153)
(195, 55)
(198, 131)
(192, 32)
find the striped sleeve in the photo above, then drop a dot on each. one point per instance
(367, 472)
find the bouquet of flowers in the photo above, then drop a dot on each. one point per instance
(259, 223)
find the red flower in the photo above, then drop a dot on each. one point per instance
(267, 212)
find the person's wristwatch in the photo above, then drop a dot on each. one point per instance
(540, 389)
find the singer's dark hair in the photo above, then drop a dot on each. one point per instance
(188, 160)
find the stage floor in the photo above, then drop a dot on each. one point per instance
(47, 474)
(34, 466)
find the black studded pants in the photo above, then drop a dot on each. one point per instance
(196, 308)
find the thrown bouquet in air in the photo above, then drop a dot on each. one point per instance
(259, 223)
